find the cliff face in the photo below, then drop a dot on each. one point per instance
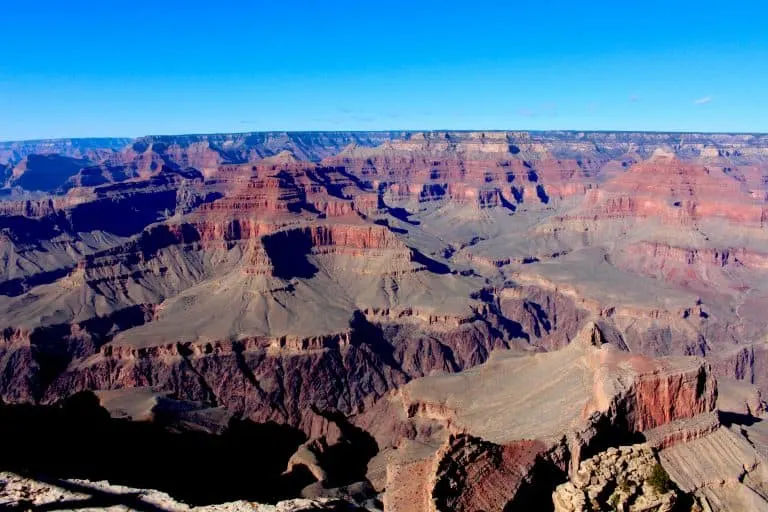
(476, 475)
(575, 402)
(282, 379)
(676, 192)
(660, 399)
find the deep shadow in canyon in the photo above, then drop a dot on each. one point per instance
(78, 439)
(347, 461)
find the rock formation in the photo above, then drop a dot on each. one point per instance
(300, 277)
(725, 469)
(19, 492)
(523, 422)
(625, 479)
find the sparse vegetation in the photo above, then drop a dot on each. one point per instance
(624, 485)
(614, 502)
(659, 479)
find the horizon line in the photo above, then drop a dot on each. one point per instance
(387, 131)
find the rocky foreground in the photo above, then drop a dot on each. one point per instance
(628, 478)
(536, 431)
(21, 493)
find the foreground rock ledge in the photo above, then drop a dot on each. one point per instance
(21, 493)
(616, 479)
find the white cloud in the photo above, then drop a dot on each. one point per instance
(703, 101)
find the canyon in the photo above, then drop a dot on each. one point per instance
(425, 320)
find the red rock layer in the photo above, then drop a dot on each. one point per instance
(476, 475)
(660, 397)
(676, 192)
(282, 379)
(470, 473)
(483, 175)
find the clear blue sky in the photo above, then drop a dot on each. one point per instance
(127, 68)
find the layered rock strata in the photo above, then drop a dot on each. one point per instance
(523, 422)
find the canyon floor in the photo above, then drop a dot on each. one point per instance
(407, 321)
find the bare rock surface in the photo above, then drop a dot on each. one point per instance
(618, 479)
(722, 469)
(22, 493)
(725, 468)
(522, 420)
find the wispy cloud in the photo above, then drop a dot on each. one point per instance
(549, 109)
(703, 101)
(526, 112)
(634, 98)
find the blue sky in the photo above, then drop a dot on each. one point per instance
(130, 68)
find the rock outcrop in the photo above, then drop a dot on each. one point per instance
(628, 478)
(18, 492)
